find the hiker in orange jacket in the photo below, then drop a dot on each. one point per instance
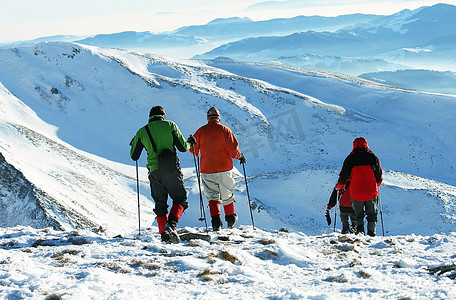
(218, 146)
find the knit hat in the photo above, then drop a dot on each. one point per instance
(213, 113)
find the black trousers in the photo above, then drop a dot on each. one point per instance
(163, 184)
(368, 209)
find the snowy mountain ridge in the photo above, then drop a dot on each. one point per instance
(291, 123)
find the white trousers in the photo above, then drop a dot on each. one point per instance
(219, 187)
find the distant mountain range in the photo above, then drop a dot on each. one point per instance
(190, 40)
(240, 28)
(197, 39)
(424, 37)
(435, 81)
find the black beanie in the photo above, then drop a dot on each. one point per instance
(156, 110)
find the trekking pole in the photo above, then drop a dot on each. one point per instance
(202, 212)
(248, 195)
(335, 209)
(381, 214)
(137, 191)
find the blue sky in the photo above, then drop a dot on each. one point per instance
(28, 19)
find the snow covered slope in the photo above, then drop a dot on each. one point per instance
(46, 182)
(68, 113)
(237, 264)
(20, 201)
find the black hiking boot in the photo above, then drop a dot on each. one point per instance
(360, 229)
(231, 220)
(216, 223)
(345, 230)
(170, 235)
(370, 233)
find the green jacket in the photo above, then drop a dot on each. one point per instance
(166, 135)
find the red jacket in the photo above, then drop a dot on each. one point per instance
(345, 201)
(217, 145)
(363, 168)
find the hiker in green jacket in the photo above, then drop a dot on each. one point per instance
(161, 137)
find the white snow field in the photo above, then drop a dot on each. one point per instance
(69, 217)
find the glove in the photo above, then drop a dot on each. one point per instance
(191, 140)
(328, 217)
(243, 160)
(340, 186)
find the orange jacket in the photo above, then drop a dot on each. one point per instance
(217, 145)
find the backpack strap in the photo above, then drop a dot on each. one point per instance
(151, 139)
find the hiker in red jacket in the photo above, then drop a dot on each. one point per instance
(347, 214)
(218, 146)
(363, 168)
